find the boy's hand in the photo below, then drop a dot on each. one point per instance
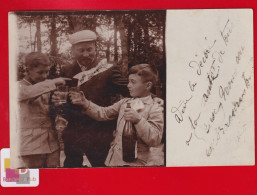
(132, 115)
(56, 99)
(60, 81)
(78, 98)
(60, 123)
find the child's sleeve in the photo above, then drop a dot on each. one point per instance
(26, 92)
(103, 113)
(150, 130)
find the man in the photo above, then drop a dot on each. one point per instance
(99, 81)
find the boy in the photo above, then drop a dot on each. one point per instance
(146, 115)
(37, 141)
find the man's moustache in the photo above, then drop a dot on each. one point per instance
(86, 59)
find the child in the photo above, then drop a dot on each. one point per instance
(37, 141)
(146, 114)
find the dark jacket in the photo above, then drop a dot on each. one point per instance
(83, 132)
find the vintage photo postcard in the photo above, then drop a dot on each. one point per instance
(87, 89)
(146, 88)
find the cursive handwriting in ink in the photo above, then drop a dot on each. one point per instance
(246, 80)
(209, 150)
(239, 54)
(188, 141)
(180, 110)
(224, 91)
(226, 32)
(215, 112)
(199, 64)
(212, 75)
(194, 123)
(192, 86)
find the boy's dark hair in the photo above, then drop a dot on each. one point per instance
(147, 72)
(35, 59)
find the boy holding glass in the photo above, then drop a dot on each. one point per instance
(146, 114)
(37, 140)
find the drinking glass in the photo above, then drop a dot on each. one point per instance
(63, 93)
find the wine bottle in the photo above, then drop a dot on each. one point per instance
(129, 139)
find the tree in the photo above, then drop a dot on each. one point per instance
(115, 39)
(124, 37)
(124, 45)
(53, 37)
(38, 34)
(79, 22)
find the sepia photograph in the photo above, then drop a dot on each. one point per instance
(88, 89)
(128, 97)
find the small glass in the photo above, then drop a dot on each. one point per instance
(63, 93)
(76, 91)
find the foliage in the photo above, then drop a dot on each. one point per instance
(124, 37)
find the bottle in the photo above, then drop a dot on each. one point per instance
(129, 139)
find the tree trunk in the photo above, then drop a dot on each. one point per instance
(82, 22)
(135, 39)
(30, 37)
(115, 40)
(129, 41)
(53, 37)
(124, 45)
(71, 23)
(146, 37)
(108, 50)
(38, 35)
(108, 44)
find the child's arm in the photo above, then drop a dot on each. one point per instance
(102, 113)
(26, 92)
(150, 130)
(94, 111)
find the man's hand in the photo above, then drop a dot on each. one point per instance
(132, 115)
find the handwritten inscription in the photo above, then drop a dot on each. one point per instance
(198, 65)
(239, 55)
(180, 110)
(225, 90)
(208, 67)
(226, 32)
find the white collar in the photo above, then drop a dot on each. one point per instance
(139, 103)
(146, 100)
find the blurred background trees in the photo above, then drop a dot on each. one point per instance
(125, 38)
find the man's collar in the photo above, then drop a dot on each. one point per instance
(93, 64)
(84, 76)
